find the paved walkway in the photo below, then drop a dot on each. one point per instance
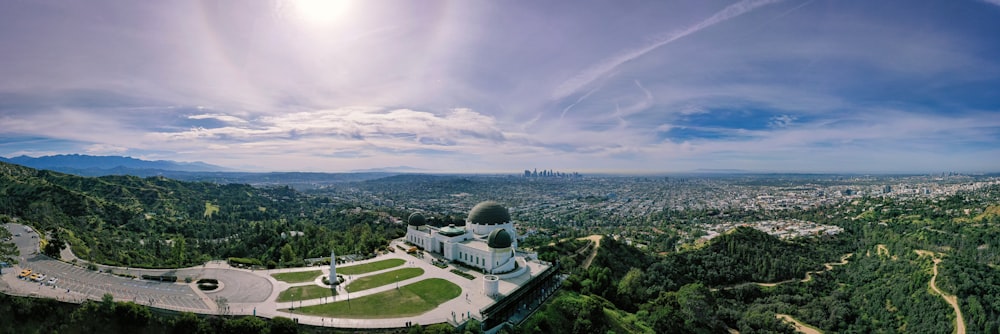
(247, 292)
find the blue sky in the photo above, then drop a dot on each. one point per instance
(476, 86)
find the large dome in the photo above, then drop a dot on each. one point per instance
(489, 213)
(499, 238)
(416, 219)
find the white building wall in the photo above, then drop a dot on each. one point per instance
(494, 260)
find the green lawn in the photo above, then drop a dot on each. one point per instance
(389, 277)
(304, 292)
(409, 300)
(297, 277)
(369, 267)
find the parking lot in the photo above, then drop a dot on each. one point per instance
(92, 283)
(76, 282)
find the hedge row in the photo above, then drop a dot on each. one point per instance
(161, 278)
(245, 261)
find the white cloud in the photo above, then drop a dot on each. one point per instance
(354, 128)
(220, 117)
(105, 149)
(781, 121)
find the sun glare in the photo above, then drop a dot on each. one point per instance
(321, 11)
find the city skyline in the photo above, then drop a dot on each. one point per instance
(643, 86)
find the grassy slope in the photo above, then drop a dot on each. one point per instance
(374, 281)
(409, 300)
(369, 267)
(297, 277)
(304, 292)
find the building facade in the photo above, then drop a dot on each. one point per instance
(487, 241)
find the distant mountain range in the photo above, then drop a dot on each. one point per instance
(397, 169)
(81, 164)
(89, 165)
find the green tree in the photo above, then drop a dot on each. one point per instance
(8, 251)
(132, 314)
(282, 325)
(179, 252)
(287, 254)
(247, 324)
(631, 289)
(55, 244)
(190, 323)
(697, 306)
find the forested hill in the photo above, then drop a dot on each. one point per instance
(54, 199)
(161, 222)
(673, 293)
(744, 254)
(739, 256)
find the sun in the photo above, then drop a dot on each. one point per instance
(321, 12)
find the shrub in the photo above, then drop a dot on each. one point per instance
(162, 278)
(463, 274)
(244, 261)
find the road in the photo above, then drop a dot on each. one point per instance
(596, 239)
(952, 300)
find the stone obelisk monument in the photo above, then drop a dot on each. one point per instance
(333, 268)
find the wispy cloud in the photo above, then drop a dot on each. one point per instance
(601, 69)
(994, 2)
(377, 127)
(781, 121)
(224, 118)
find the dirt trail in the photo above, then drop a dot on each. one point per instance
(596, 239)
(952, 300)
(828, 265)
(799, 327)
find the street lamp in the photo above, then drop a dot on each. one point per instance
(397, 282)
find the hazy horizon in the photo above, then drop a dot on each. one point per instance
(643, 87)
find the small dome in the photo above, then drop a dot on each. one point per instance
(416, 219)
(451, 231)
(489, 213)
(499, 238)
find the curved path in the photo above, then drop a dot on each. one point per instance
(951, 299)
(828, 265)
(596, 239)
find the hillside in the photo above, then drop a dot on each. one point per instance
(160, 222)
